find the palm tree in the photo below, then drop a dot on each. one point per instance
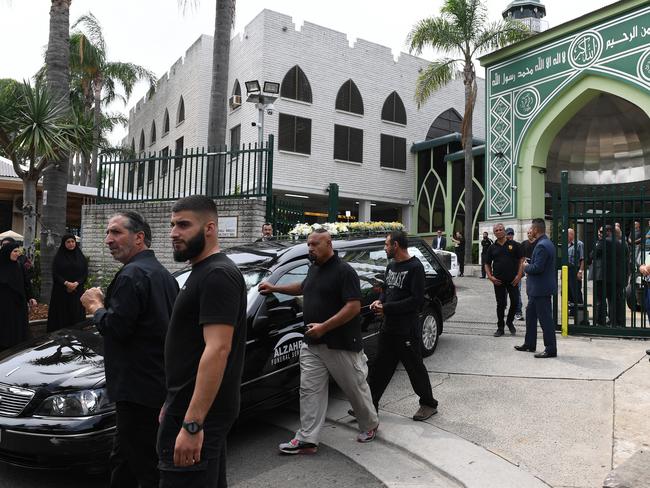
(223, 24)
(98, 79)
(57, 61)
(36, 131)
(462, 31)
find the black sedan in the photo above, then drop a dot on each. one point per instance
(54, 411)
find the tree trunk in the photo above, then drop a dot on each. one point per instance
(467, 139)
(97, 130)
(29, 216)
(57, 61)
(219, 93)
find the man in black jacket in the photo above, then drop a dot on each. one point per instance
(486, 242)
(400, 305)
(133, 320)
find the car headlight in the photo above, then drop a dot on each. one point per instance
(77, 404)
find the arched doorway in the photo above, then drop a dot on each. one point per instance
(598, 126)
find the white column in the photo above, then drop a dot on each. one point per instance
(364, 211)
(407, 212)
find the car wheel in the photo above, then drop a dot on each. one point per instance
(430, 325)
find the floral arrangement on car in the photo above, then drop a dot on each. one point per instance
(344, 228)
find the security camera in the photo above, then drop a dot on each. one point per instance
(269, 109)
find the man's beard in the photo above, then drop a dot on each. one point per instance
(194, 247)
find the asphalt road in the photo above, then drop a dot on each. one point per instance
(253, 462)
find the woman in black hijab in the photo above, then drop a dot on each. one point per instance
(14, 297)
(69, 273)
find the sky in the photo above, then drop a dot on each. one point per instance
(155, 33)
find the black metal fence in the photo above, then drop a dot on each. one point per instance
(242, 172)
(286, 214)
(608, 297)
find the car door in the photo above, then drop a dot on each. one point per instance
(370, 265)
(438, 285)
(275, 335)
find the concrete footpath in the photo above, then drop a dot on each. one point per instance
(507, 419)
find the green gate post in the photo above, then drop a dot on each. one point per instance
(269, 179)
(333, 202)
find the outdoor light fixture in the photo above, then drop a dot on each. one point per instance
(252, 86)
(271, 87)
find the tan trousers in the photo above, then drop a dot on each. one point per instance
(350, 370)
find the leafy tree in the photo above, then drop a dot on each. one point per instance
(96, 80)
(36, 131)
(462, 31)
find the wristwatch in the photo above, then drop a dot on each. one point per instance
(192, 427)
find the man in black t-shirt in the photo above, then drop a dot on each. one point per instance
(400, 305)
(332, 344)
(204, 353)
(504, 270)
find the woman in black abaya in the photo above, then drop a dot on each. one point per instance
(14, 298)
(69, 273)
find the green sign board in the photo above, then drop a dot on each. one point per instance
(521, 87)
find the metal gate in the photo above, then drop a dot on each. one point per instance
(285, 215)
(612, 224)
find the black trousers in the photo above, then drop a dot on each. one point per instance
(502, 292)
(482, 265)
(134, 462)
(540, 308)
(392, 349)
(575, 287)
(211, 471)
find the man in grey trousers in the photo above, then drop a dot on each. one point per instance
(332, 344)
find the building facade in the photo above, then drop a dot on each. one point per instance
(345, 114)
(575, 98)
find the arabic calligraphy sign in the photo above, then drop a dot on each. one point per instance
(520, 87)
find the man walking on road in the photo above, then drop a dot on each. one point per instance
(204, 353)
(485, 245)
(332, 344)
(503, 268)
(133, 320)
(400, 305)
(541, 284)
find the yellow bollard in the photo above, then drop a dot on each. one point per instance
(565, 301)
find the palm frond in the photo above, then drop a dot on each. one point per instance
(93, 30)
(496, 35)
(436, 33)
(128, 74)
(435, 76)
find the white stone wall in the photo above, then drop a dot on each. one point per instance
(269, 46)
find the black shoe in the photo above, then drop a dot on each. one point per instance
(544, 355)
(498, 333)
(512, 329)
(525, 348)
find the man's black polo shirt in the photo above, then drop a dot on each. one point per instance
(504, 260)
(326, 289)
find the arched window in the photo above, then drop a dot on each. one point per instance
(393, 110)
(236, 89)
(132, 146)
(166, 122)
(152, 135)
(181, 111)
(141, 147)
(349, 98)
(295, 85)
(447, 122)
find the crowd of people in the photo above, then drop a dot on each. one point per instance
(174, 357)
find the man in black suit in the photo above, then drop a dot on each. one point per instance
(439, 242)
(133, 320)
